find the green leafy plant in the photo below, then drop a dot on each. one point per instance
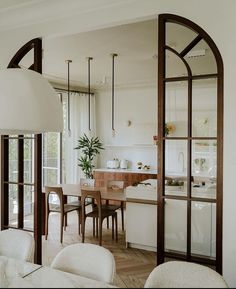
(90, 147)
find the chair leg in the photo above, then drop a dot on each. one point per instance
(65, 222)
(116, 227)
(46, 225)
(62, 224)
(65, 202)
(79, 220)
(100, 232)
(94, 227)
(112, 217)
(107, 203)
(122, 216)
(83, 228)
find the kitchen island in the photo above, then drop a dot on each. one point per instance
(141, 219)
(141, 215)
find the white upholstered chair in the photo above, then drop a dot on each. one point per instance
(179, 274)
(87, 260)
(17, 244)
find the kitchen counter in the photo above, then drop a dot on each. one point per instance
(135, 171)
(128, 176)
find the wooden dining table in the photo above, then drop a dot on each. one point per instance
(74, 190)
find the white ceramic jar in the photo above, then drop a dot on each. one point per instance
(123, 164)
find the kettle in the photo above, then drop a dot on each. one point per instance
(123, 164)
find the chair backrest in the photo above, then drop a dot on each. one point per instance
(95, 196)
(88, 260)
(54, 190)
(17, 244)
(115, 184)
(180, 274)
(87, 182)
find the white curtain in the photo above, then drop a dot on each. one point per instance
(79, 125)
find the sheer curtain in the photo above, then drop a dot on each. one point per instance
(78, 126)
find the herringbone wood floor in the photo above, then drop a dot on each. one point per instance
(132, 265)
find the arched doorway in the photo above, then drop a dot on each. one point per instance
(190, 143)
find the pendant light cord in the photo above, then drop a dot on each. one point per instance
(113, 93)
(89, 93)
(68, 93)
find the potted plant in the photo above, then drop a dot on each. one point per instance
(90, 147)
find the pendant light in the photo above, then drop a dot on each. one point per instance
(89, 96)
(68, 94)
(113, 55)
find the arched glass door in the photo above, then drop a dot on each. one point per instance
(190, 143)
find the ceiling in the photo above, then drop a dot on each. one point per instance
(136, 64)
(135, 44)
(12, 4)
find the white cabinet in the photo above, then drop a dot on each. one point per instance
(175, 225)
(141, 216)
(141, 226)
(141, 221)
(203, 227)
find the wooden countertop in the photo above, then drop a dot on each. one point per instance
(137, 171)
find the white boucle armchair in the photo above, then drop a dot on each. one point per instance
(17, 244)
(179, 274)
(87, 260)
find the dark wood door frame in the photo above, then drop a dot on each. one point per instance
(36, 45)
(162, 80)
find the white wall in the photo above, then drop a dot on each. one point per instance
(133, 142)
(217, 17)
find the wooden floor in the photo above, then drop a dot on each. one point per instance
(132, 265)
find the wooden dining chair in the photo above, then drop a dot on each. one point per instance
(98, 214)
(115, 185)
(84, 183)
(61, 208)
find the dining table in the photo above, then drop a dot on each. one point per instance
(112, 194)
(20, 274)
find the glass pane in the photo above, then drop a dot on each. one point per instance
(28, 161)
(176, 167)
(201, 59)
(13, 160)
(175, 67)
(178, 36)
(29, 207)
(13, 205)
(204, 168)
(203, 229)
(177, 109)
(175, 225)
(204, 106)
(51, 163)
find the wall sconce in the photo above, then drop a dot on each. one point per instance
(128, 123)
